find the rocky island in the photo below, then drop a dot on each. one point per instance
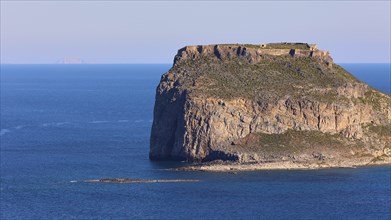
(267, 106)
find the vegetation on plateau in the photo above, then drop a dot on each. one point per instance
(273, 77)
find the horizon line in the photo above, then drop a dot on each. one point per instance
(154, 63)
(77, 63)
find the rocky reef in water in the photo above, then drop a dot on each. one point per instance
(267, 103)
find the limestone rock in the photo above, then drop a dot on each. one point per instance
(266, 102)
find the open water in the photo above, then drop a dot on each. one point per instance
(64, 123)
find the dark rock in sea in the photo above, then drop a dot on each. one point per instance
(127, 180)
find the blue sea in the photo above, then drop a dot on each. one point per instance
(66, 123)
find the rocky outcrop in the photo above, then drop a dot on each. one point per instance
(127, 180)
(269, 102)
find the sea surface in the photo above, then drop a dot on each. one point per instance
(64, 123)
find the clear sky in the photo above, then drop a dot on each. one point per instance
(152, 32)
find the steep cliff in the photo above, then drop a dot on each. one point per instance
(269, 102)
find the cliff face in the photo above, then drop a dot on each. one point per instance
(268, 102)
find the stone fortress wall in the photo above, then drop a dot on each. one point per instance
(254, 53)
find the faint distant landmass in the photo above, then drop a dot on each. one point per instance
(71, 60)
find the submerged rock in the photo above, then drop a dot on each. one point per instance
(127, 180)
(267, 103)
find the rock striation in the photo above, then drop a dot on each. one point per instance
(267, 103)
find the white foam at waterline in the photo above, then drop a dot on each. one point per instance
(73, 181)
(122, 121)
(3, 131)
(138, 121)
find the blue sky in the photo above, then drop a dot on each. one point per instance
(152, 32)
